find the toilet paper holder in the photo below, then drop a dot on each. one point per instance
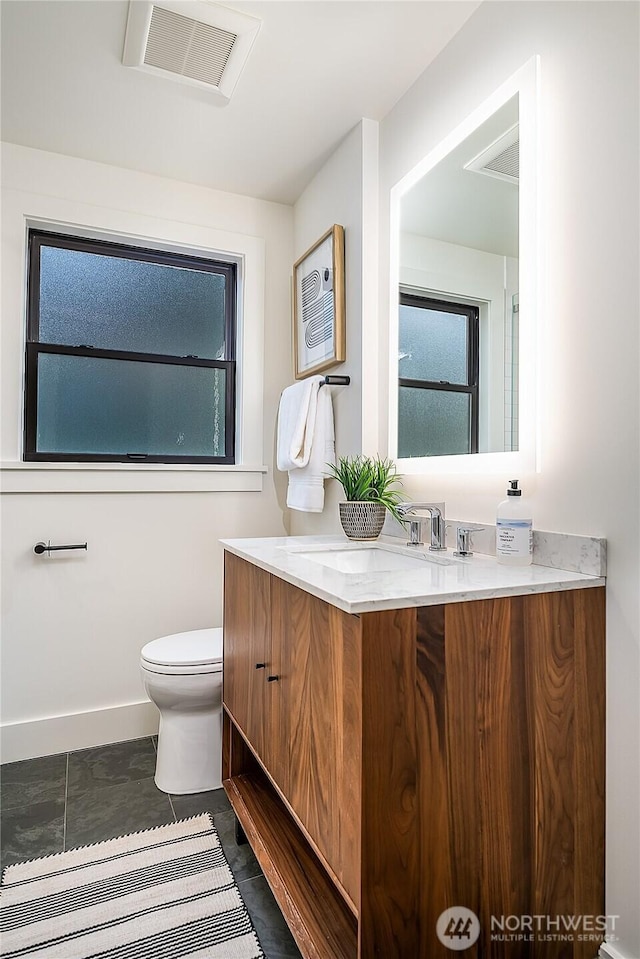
(47, 548)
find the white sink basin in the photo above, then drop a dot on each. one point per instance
(366, 559)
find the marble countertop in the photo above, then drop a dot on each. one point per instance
(429, 580)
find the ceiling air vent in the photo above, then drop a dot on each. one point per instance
(192, 41)
(501, 159)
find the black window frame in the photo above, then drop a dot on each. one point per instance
(35, 347)
(472, 313)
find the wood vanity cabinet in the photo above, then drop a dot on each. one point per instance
(406, 761)
(247, 650)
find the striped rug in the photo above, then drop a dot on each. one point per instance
(163, 893)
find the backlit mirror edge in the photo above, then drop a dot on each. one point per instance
(524, 82)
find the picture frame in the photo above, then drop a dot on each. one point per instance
(319, 305)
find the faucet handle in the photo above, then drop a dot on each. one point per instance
(463, 540)
(415, 530)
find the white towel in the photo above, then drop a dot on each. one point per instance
(296, 423)
(306, 484)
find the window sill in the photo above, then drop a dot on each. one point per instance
(18, 477)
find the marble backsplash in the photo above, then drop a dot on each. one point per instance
(580, 554)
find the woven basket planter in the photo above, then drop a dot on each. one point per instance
(362, 520)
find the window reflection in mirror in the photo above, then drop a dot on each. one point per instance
(438, 382)
(458, 298)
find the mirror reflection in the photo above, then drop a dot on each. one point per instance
(459, 284)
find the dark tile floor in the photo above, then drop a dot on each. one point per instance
(74, 799)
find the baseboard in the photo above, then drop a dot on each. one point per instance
(61, 734)
(608, 951)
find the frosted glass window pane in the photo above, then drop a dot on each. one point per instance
(433, 345)
(113, 303)
(432, 422)
(100, 406)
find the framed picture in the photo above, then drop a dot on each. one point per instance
(318, 305)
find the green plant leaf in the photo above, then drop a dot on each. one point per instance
(369, 479)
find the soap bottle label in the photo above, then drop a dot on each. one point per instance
(514, 537)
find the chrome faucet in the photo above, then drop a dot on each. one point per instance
(437, 524)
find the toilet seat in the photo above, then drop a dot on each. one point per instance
(195, 651)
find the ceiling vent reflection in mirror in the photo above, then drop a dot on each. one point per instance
(501, 159)
(192, 41)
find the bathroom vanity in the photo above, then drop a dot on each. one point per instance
(405, 733)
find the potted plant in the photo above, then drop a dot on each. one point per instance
(370, 489)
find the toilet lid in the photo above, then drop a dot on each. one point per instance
(197, 647)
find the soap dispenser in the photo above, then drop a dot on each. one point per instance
(514, 529)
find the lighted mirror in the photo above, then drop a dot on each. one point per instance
(463, 312)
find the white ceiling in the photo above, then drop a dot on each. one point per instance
(316, 68)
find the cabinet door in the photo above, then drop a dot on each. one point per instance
(319, 653)
(247, 647)
(510, 721)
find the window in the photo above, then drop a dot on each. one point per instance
(438, 379)
(130, 354)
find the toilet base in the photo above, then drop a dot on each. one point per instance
(189, 753)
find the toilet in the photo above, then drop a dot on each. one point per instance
(182, 675)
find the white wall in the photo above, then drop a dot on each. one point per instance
(589, 480)
(73, 625)
(345, 192)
